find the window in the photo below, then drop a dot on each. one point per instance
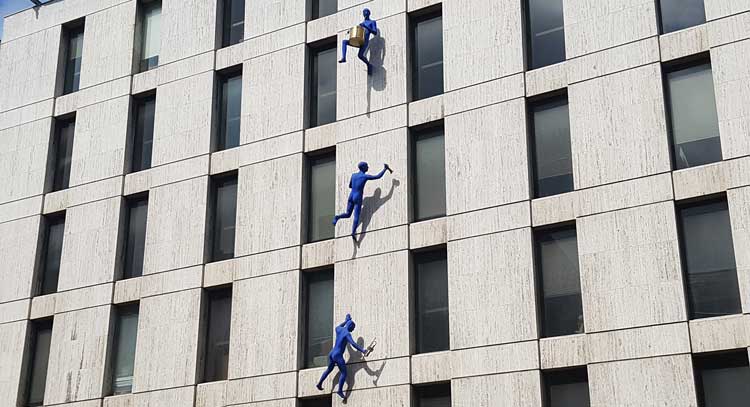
(322, 8)
(427, 55)
(546, 32)
(41, 339)
(318, 286)
(73, 53)
(694, 124)
(135, 243)
(64, 131)
(316, 402)
(553, 164)
(722, 379)
(230, 89)
(217, 336)
(708, 260)
(428, 168)
(50, 261)
(224, 190)
(150, 34)
(431, 277)
(323, 84)
(566, 388)
(126, 332)
(434, 395)
(680, 14)
(234, 22)
(143, 139)
(321, 196)
(559, 280)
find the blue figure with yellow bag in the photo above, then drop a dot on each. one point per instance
(359, 37)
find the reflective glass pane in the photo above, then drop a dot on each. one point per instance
(144, 134)
(39, 362)
(429, 174)
(428, 57)
(695, 124)
(225, 216)
(73, 60)
(151, 45)
(567, 388)
(557, 252)
(438, 395)
(65, 131)
(316, 402)
(553, 164)
(126, 333)
(709, 260)
(234, 22)
(679, 14)
(136, 240)
(219, 322)
(322, 8)
(723, 379)
(322, 196)
(319, 317)
(53, 254)
(431, 272)
(323, 92)
(547, 32)
(231, 111)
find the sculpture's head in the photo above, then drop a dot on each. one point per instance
(366, 13)
(363, 166)
(350, 325)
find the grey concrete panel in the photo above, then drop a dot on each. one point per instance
(18, 248)
(487, 360)
(23, 159)
(732, 86)
(261, 388)
(12, 341)
(29, 66)
(263, 17)
(386, 396)
(188, 28)
(720, 333)
(82, 194)
(521, 389)
(108, 44)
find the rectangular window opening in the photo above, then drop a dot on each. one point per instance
(52, 253)
(64, 133)
(41, 339)
(316, 402)
(566, 388)
(318, 297)
(217, 336)
(321, 196)
(73, 35)
(126, 335)
(427, 54)
(552, 156)
(428, 168)
(224, 205)
(135, 242)
(322, 83)
(143, 139)
(234, 22)
(722, 378)
(433, 395)
(230, 111)
(150, 15)
(546, 32)
(680, 14)
(431, 301)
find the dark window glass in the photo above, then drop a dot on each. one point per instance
(694, 123)
(323, 86)
(316, 402)
(126, 332)
(431, 276)
(150, 35)
(553, 164)
(679, 14)
(40, 348)
(708, 258)
(428, 158)
(321, 197)
(230, 112)
(73, 60)
(722, 379)
(64, 131)
(547, 32)
(557, 262)
(436, 395)
(136, 238)
(566, 388)
(225, 216)
(234, 22)
(217, 338)
(144, 134)
(52, 253)
(318, 317)
(427, 56)
(322, 8)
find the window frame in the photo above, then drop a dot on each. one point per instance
(311, 159)
(546, 99)
(528, 40)
(227, 25)
(414, 19)
(138, 142)
(41, 272)
(121, 310)
(416, 133)
(35, 327)
(313, 51)
(216, 182)
(70, 31)
(60, 178)
(221, 125)
(731, 358)
(306, 280)
(144, 6)
(559, 376)
(418, 257)
(442, 388)
(132, 201)
(660, 18)
(212, 294)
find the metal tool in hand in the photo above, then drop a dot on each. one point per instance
(370, 348)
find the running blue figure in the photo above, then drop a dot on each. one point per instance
(336, 356)
(357, 185)
(370, 27)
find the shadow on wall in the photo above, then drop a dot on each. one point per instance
(357, 364)
(370, 205)
(379, 78)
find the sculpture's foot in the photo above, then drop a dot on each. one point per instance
(319, 386)
(354, 236)
(335, 220)
(342, 60)
(341, 394)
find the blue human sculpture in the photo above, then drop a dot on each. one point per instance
(357, 185)
(370, 27)
(336, 356)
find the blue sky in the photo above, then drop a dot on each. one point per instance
(10, 7)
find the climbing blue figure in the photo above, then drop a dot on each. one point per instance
(370, 27)
(336, 356)
(357, 184)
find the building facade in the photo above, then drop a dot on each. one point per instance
(567, 223)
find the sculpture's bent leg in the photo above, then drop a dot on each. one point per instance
(345, 215)
(361, 55)
(342, 377)
(357, 210)
(328, 371)
(344, 46)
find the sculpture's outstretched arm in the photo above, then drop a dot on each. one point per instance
(378, 175)
(354, 344)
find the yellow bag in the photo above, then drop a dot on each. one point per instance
(357, 36)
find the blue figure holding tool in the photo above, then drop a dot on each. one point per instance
(359, 36)
(336, 356)
(357, 184)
